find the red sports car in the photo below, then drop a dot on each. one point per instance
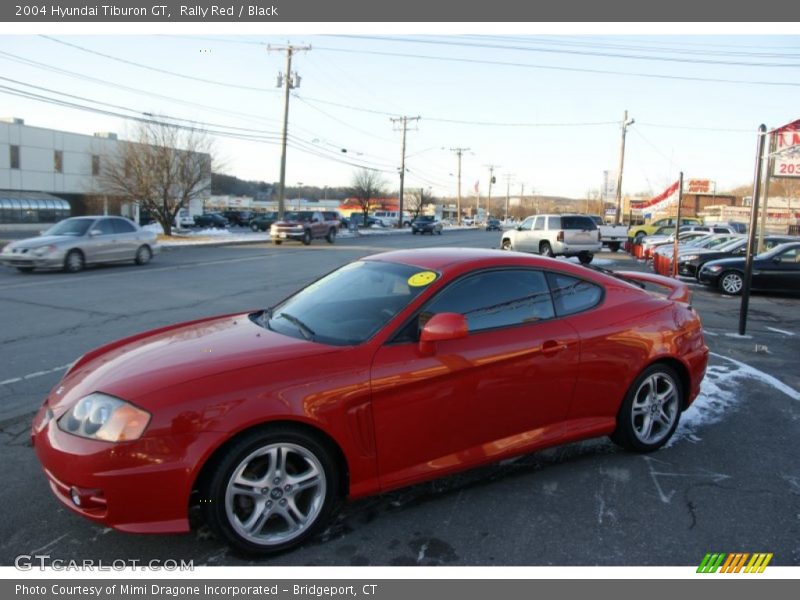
(393, 369)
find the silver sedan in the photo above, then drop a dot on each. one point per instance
(76, 242)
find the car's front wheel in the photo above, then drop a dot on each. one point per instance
(74, 261)
(506, 245)
(331, 237)
(585, 257)
(254, 226)
(546, 250)
(272, 490)
(731, 282)
(650, 411)
(306, 238)
(143, 255)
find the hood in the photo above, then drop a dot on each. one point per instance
(728, 262)
(42, 240)
(178, 354)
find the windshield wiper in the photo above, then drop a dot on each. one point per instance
(307, 332)
(265, 317)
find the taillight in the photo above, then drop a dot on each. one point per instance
(560, 236)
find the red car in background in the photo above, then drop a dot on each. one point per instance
(391, 370)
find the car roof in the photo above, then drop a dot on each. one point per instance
(456, 259)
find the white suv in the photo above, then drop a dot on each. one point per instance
(555, 235)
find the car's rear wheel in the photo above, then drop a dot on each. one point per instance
(585, 257)
(306, 237)
(331, 237)
(651, 409)
(546, 250)
(731, 282)
(271, 490)
(143, 255)
(613, 246)
(74, 261)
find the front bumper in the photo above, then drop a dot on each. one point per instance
(29, 261)
(708, 277)
(140, 487)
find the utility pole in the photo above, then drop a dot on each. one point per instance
(404, 121)
(459, 152)
(491, 181)
(625, 124)
(770, 162)
(508, 179)
(288, 81)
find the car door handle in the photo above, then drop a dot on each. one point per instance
(552, 347)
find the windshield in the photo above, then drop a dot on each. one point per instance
(726, 244)
(76, 227)
(350, 305)
(298, 216)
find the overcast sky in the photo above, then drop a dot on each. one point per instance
(546, 109)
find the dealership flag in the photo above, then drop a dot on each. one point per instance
(665, 199)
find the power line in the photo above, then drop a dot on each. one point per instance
(462, 44)
(157, 69)
(568, 69)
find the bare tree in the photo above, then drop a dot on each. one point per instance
(366, 186)
(417, 201)
(163, 169)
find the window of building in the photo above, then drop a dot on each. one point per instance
(95, 165)
(14, 156)
(58, 161)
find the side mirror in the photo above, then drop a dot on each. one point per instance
(776, 260)
(442, 327)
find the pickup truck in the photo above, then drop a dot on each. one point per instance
(612, 236)
(304, 226)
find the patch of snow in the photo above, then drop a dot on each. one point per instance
(719, 394)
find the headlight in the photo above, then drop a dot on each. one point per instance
(42, 250)
(102, 417)
(690, 257)
(712, 268)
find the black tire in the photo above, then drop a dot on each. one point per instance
(254, 226)
(74, 261)
(585, 257)
(306, 237)
(414, 232)
(438, 232)
(506, 244)
(730, 282)
(304, 453)
(637, 239)
(630, 421)
(25, 269)
(613, 246)
(143, 255)
(331, 237)
(546, 250)
(277, 242)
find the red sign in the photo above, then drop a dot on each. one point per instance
(698, 186)
(786, 150)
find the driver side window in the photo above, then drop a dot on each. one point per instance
(495, 299)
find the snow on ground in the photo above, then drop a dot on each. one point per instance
(719, 393)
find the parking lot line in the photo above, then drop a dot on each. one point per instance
(35, 374)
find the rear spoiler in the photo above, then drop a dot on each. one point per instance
(679, 291)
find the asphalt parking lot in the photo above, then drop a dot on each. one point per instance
(728, 482)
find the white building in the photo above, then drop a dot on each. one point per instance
(42, 168)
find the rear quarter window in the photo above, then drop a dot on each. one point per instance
(573, 295)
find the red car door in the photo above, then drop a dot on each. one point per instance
(507, 386)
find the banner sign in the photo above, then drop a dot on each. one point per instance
(665, 199)
(786, 150)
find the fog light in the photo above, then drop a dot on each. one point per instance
(76, 497)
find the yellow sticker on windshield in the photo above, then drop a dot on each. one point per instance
(422, 278)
